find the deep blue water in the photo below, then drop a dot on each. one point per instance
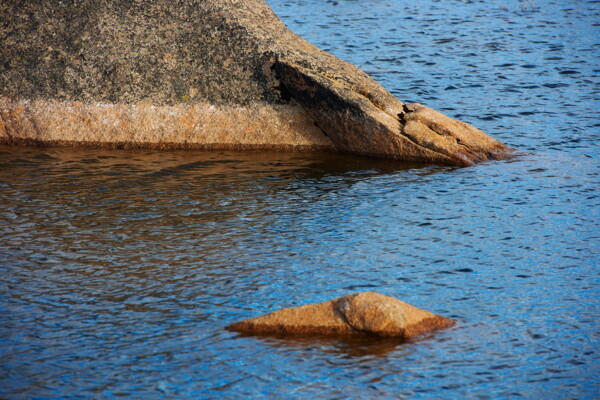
(119, 269)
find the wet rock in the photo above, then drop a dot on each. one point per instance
(194, 74)
(361, 313)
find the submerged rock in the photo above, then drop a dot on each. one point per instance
(202, 74)
(361, 313)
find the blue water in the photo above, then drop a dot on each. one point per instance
(119, 269)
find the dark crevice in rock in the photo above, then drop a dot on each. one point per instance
(321, 129)
(402, 118)
(317, 91)
(284, 93)
(402, 115)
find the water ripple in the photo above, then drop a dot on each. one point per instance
(121, 268)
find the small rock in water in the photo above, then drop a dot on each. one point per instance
(360, 313)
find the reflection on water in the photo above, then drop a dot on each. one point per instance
(358, 347)
(119, 269)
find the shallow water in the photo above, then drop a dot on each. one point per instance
(121, 268)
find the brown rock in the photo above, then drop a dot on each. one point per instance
(212, 74)
(361, 313)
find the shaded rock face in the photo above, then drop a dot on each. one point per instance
(361, 313)
(90, 56)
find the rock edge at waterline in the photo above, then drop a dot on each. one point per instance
(209, 74)
(366, 313)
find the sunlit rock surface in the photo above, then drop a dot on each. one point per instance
(361, 313)
(202, 74)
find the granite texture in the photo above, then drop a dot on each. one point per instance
(80, 58)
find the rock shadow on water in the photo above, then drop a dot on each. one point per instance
(357, 346)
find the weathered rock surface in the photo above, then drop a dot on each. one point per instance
(361, 313)
(202, 73)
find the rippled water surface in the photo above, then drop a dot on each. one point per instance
(119, 269)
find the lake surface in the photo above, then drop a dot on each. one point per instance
(119, 269)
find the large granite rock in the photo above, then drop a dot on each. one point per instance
(361, 313)
(202, 74)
